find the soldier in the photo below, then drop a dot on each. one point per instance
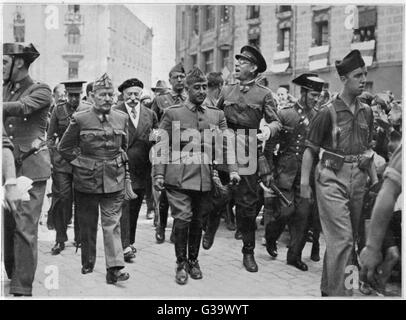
(188, 184)
(62, 178)
(142, 122)
(95, 144)
(160, 88)
(244, 105)
(161, 102)
(215, 83)
(295, 121)
(25, 110)
(342, 133)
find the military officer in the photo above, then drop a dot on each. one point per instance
(161, 102)
(62, 178)
(245, 104)
(342, 133)
(295, 121)
(25, 109)
(188, 183)
(95, 144)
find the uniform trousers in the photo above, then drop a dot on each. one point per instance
(110, 212)
(339, 196)
(21, 241)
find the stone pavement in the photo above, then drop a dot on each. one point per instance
(152, 273)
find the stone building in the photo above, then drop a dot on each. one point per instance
(81, 41)
(298, 38)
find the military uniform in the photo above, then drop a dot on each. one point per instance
(295, 121)
(25, 109)
(94, 145)
(244, 107)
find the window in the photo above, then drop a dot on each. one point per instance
(209, 18)
(285, 39)
(208, 61)
(284, 8)
(195, 20)
(252, 12)
(74, 8)
(366, 24)
(225, 58)
(73, 34)
(321, 33)
(73, 71)
(19, 25)
(225, 14)
(183, 26)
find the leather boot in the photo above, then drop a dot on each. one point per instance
(181, 238)
(248, 238)
(315, 254)
(211, 229)
(195, 234)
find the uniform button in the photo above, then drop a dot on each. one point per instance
(11, 137)
(298, 141)
(297, 153)
(25, 119)
(10, 125)
(299, 135)
(302, 117)
(297, 147)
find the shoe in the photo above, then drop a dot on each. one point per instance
(238, 235)
(160, 235)
(323, 294)
(309, 236)
(133, 248)
(22, 295)
(86, 270)
(194, 270)
(262, 221)
(249, 262)
(315, 254)
(272, 249)
(58, 247)
(298, 264)
(114, 275)
(181, 273)
(150, 215)
(129, 256)
(207, 241)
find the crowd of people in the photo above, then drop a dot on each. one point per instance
(322, 161)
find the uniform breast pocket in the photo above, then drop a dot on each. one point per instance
(364, 133)
(118, 136)
(84, 171)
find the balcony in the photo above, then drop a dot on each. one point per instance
(73, 52)
(73, 18)
(280, 61)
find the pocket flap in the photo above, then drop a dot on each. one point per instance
(24, 148)
(83, 162)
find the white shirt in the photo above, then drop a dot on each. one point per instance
(135, 120)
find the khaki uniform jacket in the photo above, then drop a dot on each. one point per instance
(95, 148)
(25, 112)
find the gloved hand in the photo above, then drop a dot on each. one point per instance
(235, 178)
(265, 134)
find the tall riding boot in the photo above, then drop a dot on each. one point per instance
(213, 222)
(230, 218)
(195, 234)
(315, 254)
(181, 239)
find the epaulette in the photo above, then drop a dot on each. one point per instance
(212, 107)
(175, 106)
(82, 112)
(119, 111)
(262, 86)
(288, 106)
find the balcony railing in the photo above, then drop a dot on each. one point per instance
(73, 50)
(73, 18)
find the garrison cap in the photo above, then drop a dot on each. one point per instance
(253, 55)
(73, 86)
(309, 81)
(178, 68)
(195, 75)
(26, 51)
(104, 82)
(351, 61)
(134, 82)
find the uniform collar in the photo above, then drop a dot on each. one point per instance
(102, 117)
(340, 105)
(192, 107)
(182, 95)
(245, 86)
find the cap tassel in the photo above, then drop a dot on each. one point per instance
(129, 193)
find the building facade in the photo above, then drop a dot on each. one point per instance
(82, 41)
(301, 38)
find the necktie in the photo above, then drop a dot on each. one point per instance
(134, 113)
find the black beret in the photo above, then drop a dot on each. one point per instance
(309, 81)
(130, 83)
(351, 61)
(254, 55)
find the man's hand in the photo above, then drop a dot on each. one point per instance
(267, 179)
(159, 183)
(235, 178)
(370, 259)
(265, 134)
(305, 191)
(12, 197)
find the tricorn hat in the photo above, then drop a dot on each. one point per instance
(254, 55)
(310, 81)
(27, 51)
